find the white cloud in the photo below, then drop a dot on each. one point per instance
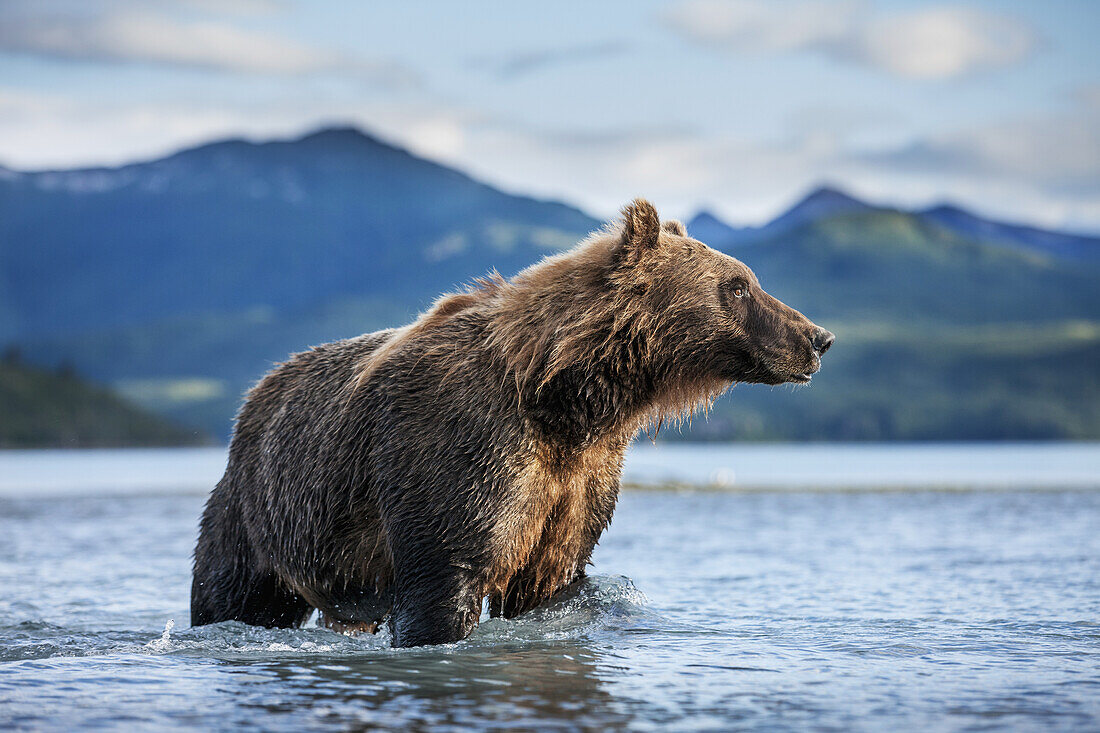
(155, 39)
(43, 131)
(1044, 169)
(940, 43)
(1088, 97)
(1057, 154)
(533, 60)
(927, 43)
(234, 7)
(763, 25)
(122, 35)
(40, 131)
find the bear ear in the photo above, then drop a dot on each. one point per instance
(641, 226)
(673, 226)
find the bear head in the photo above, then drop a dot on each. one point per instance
(706, 311)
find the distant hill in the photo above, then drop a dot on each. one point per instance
(234, 225)
(939, 337)
(1057, 244)
(179, 281)
(826, 202)
(40, 409)
(821, 203)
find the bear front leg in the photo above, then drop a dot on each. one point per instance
(521, 595)
(440, 608)
(524, 594)
(354, 610)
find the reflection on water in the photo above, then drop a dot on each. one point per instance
(520, 685)
(832, 611)
(545, 667)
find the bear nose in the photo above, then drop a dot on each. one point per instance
(822, 340)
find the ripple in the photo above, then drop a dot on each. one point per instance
(594, 608)
(760, 611)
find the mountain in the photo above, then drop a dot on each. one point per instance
(1057, 244)
(236, 225)
(179, 281)
(205, 267)
(40, 409)
(825, 202)
(706, 227)
(818, 204)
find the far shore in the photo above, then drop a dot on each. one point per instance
(668, 466)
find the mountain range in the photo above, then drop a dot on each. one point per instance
(828, 201)
(179, 281)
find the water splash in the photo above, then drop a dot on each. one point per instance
(164, 643)
(598, 607)
(594, 608)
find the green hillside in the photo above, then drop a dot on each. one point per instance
(939, 337)
(44, 409)
(1009, 381)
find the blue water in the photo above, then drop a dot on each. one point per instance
(909, 609)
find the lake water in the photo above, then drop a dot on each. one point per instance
(787, 606)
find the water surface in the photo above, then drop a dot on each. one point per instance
(841, 610)
(812, 466)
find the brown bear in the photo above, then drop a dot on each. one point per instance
(476, 453)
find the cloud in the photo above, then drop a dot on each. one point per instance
(1058, 151)
(763, 26)
(43, 130)
(528, 62)
(928, 43)
(1088, 97)
(941, 43)
(121, 34)
(155, 39)
(674, 166)
(233, 7)
(1044, 167)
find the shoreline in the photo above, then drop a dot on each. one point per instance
(666, 467)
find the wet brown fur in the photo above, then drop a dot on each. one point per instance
(476, 452)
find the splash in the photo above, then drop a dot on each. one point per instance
(597, 609)
(164, 643)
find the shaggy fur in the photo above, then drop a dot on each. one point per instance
(410, 473)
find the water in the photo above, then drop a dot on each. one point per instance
(828, 610)
(771, 466)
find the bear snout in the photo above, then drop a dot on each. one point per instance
(821, 340)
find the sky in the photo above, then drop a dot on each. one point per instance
(736, 106)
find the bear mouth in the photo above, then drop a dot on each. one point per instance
(780, 375)
(804, 377)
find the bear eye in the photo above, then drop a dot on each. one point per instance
(736, 288)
